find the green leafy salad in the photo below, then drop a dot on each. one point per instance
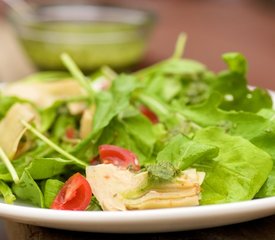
(173, 134)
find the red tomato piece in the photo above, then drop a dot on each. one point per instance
(118, 156)
(75, 195)
(95, 160)
(70, 133)
(149, 114)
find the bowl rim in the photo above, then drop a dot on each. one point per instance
(142, 21)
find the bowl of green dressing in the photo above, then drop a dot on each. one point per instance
(92, 35)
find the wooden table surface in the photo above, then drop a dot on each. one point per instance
(213, 27)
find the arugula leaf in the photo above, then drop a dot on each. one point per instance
(236, 62)
(232, 84)
(237, 173)
(135, 133)
(142, 132)
(109, 104)
(61, 124)
(27, 189)
(184, 67)
(7, 193)
(53, 145)
(183, 152)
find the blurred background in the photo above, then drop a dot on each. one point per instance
(213, 27)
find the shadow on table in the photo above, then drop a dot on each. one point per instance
(259, 229)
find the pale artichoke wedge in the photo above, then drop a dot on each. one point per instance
(12, 129)
(119, 189)
(44, 94)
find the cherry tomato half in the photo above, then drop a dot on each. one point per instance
(70, 133)
(118, 156)
(75, 195)
(149, 114)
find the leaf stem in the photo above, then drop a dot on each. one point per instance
(109, 73)
(9, 166)
(77, 73)
(53, 145)
(154, 104)
(180, 46)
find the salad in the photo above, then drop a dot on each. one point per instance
(173, 134)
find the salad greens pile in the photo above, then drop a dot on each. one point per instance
(213, 122)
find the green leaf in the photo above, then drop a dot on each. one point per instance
(47, 117)
(268, 189)
(19, 165)
(46, 76)
(245, 124)
(236, 62)
(142, 132)
(5, 103)
(175, 66)
(232, 84)
(62, 122)
(94, 205)
(183, 152)
(110, 104)
(7, 193)
(27, 189)
(54, 145)
(43, 168)
(135, 133)
(51, 189)
(237, 173)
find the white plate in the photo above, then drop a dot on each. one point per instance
(161, 220)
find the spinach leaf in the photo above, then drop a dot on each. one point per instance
(183, 152)
(240, 123)
(43, 168)
(237, 173)
(19, 166)
(50, 189)
(27, 189)
(268, 189)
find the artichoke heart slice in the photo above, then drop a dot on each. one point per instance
(11, 128)
(114, 187)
